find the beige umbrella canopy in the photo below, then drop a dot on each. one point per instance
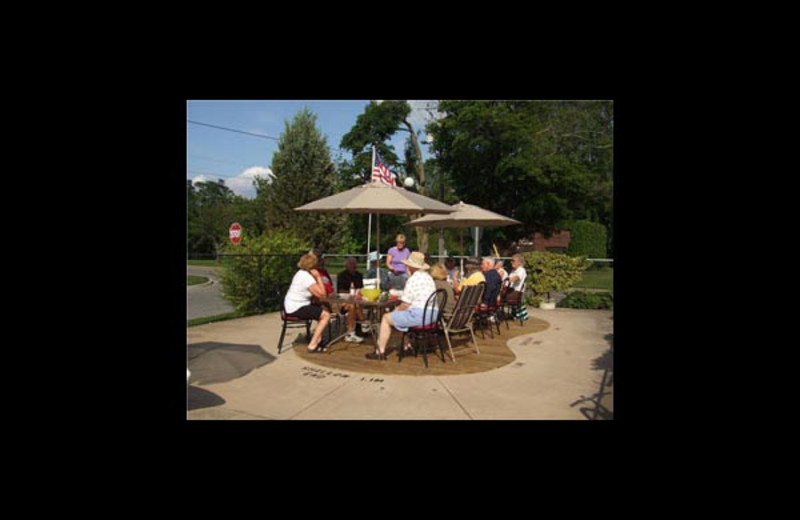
(380, 199)
(377, 198)
(465, 216)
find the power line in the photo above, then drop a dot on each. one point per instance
(263, 136)
(232, 130)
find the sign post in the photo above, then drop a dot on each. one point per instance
(235, 233)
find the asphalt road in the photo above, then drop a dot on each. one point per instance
(206, 299)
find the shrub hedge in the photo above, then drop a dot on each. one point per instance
(548, 272)
(587, 300)
(587, 239)
(240, 281)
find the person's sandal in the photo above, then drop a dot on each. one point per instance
(319, 349)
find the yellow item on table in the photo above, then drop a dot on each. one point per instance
(370, 294)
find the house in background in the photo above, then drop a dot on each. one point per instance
(556, 243)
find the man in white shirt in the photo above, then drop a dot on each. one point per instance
(518, 276)
(416, 292)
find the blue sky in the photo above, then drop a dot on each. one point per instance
(212, 153)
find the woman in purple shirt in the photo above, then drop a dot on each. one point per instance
(394, 262)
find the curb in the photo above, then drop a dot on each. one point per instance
(209, 282)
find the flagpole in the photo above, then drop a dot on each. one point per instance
(378, 234)
(369, 225)
(369, 230)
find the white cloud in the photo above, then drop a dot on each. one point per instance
(201, 178)
(242, 184)
(257, 171)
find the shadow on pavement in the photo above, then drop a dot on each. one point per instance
(213, 362)
(200, 398)
(602, 403)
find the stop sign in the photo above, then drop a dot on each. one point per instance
(235, 233)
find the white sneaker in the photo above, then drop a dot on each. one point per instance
(365, 326)
(353, 338)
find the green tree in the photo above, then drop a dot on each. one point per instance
(539, 162)
(209, 216)
(378, 123)
(192, 210)
(248, 213)
(302, 172)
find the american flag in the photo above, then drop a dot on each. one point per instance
(380, 173)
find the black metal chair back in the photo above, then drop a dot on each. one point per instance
(505, 288)
(512, 302)
(290, 321)
(431, 327)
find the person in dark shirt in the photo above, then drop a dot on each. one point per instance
(493, 281)
(347, 277)
(350, 275)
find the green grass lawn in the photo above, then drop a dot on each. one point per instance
(207, 263)
(195, 280)
(211, 319)
(600, 279)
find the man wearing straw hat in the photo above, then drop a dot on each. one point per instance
(418, 289)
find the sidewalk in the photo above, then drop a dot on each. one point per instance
(553, 369)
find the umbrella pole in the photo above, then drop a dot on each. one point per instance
(369, 230)
(461, 235)
(378, 246)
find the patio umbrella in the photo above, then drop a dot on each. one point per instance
(464, 216)
(380, 199)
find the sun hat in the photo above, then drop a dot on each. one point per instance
(417, 261)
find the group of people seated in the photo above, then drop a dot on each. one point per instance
(405, 270)
(312, 283)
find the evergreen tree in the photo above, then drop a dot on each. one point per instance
(302, 173)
